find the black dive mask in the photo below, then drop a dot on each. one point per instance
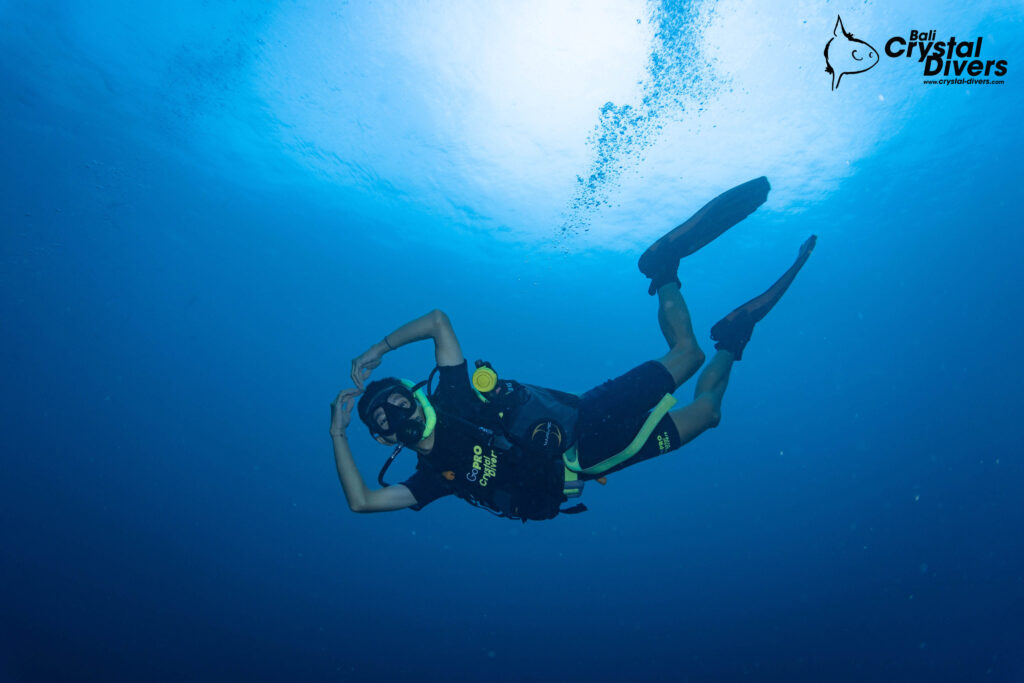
(401, 424)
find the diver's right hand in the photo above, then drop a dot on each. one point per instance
(341, 411)
(365, 363)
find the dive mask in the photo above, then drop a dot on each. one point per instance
(401, 424)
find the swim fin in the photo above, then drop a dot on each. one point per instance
(661, 260)
(733, 331)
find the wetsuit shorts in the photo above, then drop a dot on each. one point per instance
(612, 414)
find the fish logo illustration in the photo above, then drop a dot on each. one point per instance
(844, 54)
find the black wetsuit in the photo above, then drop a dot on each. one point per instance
(472, 459)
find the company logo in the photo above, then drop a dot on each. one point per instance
(947, 58)
(484, 467)
(844, 54)
(546, 436)
(945, 62)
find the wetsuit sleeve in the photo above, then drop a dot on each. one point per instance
(426, 487)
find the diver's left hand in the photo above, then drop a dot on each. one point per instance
(341, 411)
(365, 363)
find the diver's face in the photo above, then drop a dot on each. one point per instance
(380, 417)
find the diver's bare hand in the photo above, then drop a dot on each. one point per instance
(365, 363)
(341, 411)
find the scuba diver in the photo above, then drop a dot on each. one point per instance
(522, 451)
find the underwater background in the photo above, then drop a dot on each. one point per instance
(209, 209)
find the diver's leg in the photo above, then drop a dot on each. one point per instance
(684, 356)
(607, 424)
(706, 410)
(732, 334)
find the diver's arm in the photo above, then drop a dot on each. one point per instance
(434, 325)
(360, 497)
(446, 345)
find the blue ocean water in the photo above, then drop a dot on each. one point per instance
(209, 209)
